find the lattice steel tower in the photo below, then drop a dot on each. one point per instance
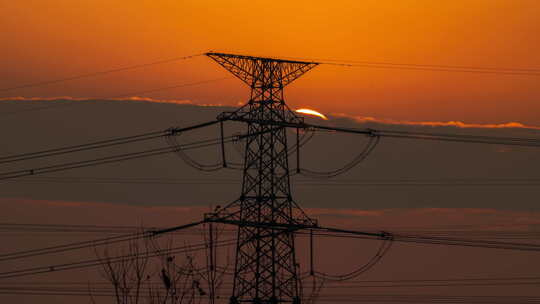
(266, 214)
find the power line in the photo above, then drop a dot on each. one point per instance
(418, 66)
(102, 143)
(430, 298)
(99, 73)
(91, 243)
(494, 140)
(79, 102)
(381, 252)
(413, 67)
(99, 261)
(132, 155)
(84, 147)
(426, 67)
(364, 153)
(73, 246)
(135, 93)
(266, 193)
(451, 182)
(26, 228)
(106, 160)
(337, 298)
(500, 281)
(464, 67)
(512, 141)
(426, 239)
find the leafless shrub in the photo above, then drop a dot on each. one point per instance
(147, 271)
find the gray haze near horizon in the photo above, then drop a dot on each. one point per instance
(393, 160)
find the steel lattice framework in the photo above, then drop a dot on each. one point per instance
(266, 214)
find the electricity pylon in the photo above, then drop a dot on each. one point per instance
(266, 214)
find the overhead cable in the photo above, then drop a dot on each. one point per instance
(100, 261)
(150, 232)
(426, 239)
(103, 143)
(99, 73)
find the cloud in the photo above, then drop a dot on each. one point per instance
(456, 124)
(118, 99)
(355, 118)
(395, 219)
(22, 210)
(345, 212)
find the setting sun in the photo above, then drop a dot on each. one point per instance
(174, 151)
(312, 112)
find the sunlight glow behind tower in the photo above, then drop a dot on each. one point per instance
(311, 112)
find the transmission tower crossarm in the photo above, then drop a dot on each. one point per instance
(284, 226)
(173, 131)
(102, 143)
(268, 122)
(493, 140)
(250, 69)
(50, 168)
(430, 239)
(303, 125)
(176, 228)
(381, 235)
(247, 57)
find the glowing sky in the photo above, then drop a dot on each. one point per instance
(52, 39)
(312, 112)
(57, 38)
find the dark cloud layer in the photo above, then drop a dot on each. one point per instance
(399, 174)
(402, 186)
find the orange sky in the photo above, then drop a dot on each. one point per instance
(51, 39)
(58, 38)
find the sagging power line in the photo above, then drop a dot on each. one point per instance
(98, 73)
(266, 215)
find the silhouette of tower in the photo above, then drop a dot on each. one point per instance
(266, 214)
